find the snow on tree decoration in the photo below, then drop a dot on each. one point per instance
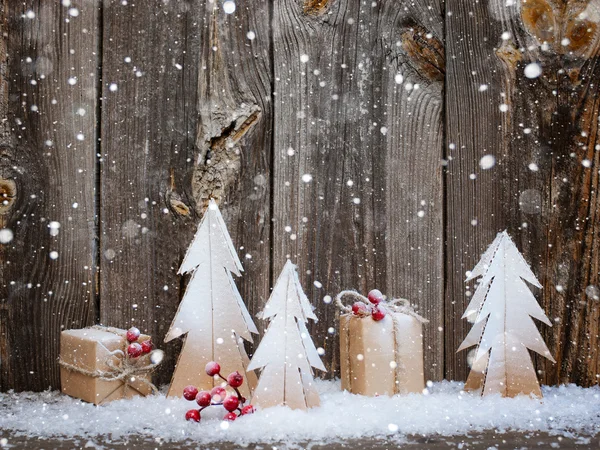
(287, 353)
(501, 310)
(212, 312)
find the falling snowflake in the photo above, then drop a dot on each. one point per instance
(54, 227)
(487, 162)
(533, 70)
(229, 7)
(6, 235)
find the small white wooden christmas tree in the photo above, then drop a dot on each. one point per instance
(501, 310)
(212, 312)
(287, 352)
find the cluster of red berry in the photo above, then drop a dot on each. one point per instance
(137, 349)
(374, 309)
(218, 396)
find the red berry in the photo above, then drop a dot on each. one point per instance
(235, 379)
(359, 309)
(147, 346)
(212, 369)
(193, 414)
(133, 334)
(203, 398)
(375, 296)
(134, 350)
(190, 392)
(248, 409)
(218, 394)
(230, 417)
(378, 314)
(231, 403)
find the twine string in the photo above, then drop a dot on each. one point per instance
(395, 305)
(400, 369)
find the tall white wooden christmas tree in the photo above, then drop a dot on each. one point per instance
(501, 310)
(287, 353)
(212, 312)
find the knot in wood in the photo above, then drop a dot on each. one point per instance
(569, 30)
(219, 164)
(315, 7)
(425, 53)
(176, 205)
(8, 195)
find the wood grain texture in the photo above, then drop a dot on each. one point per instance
(149, 117)
(47, 171)
(510, 439)
(345, 135)
(235, 136)
(475, 210)
(340, 119)
(174, 134)
(561, 239)
(413, 165)
(542, 188)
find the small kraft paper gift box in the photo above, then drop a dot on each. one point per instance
(95, 365)
(381, 345)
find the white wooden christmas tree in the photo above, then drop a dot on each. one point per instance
(501, 310)
(212, 312)
(287, 353)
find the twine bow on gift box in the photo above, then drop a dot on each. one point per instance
(395, 305)
(121, 367)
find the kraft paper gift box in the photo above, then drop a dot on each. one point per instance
(98, 351)
(384, 357)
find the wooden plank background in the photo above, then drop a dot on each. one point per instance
(345, 135)
(48, 174)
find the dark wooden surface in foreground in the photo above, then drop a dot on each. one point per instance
(486, 441)
(120, 119)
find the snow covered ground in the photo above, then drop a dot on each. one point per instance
(444, 409)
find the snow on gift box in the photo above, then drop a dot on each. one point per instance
(381, 345)
(102, 364)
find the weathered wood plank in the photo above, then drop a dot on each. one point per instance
(561, 232)
(510, 439)
(413, 165)
(540, 188)
(234, 137)
(356, 153)
(174, 133)
(149, 79)
(474, 207)
(48, 59)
